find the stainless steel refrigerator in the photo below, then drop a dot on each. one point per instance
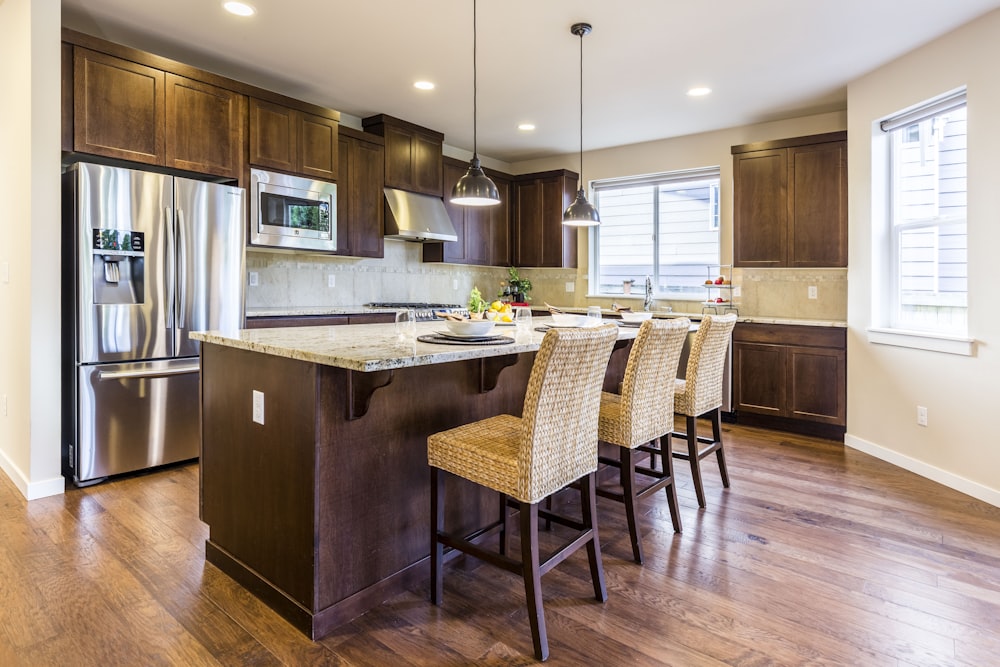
(147, 258)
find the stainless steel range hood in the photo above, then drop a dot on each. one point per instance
(414, 217)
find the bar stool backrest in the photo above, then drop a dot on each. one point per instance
(706, 364)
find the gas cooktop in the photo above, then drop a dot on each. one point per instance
(424, 311)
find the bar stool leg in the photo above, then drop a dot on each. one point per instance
(671, 489)
(588, 502)
(717, 437)
(692, 442)
(627, 473)
(437, 549)
(504, 525)
(533, 579)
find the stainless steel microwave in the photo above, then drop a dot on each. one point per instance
(292, 212)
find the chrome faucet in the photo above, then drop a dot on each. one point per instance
(647, 304)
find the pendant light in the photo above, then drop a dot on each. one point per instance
(581, 213)
(475, 188)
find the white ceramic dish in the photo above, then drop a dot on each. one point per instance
(572, 320)
(635, 318)
(470, 327)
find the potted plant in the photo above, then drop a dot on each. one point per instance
(477, 305)
(519, 287)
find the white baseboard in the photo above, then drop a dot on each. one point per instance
(31, 490)
(951, 480)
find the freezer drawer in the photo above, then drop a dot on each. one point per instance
(132, 416)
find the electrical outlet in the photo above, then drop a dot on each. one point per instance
(454, 283)
(331, 280)
(258, 407)
(254, 279)
(737, 292)
(3, 405)
(570, 286)
(921, 416)
(813, 293)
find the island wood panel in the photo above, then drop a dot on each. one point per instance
(323, 517)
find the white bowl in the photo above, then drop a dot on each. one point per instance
(569, 320)
(635, 318)
(470, 327)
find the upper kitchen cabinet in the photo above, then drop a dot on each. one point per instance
(293, 141)
(360, 204)
(130, 111)
(790, 202)
(540, 238)
(413, 160)
(483, 231)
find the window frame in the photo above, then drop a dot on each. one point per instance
(675, 177)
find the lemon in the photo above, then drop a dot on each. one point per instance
(506, 318)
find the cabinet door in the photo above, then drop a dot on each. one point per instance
(817, 384)
(499, 252)
(398, 158)
(273, 136)
(204, 127)
(760, 211)
(818, 205)
(318, 147)
(360, 207)
(454, 251)
(426, 167)
(759, 378)
(529, 235)
(478, 234)
(118, 108)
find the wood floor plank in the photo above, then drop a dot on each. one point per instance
(817, 555)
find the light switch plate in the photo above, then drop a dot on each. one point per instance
(570, 287)
(813, 292)
(254, 279)
(331, 280)
(454, 283)
(737, 291)
(258, 407)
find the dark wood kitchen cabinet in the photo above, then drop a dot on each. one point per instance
(273, 321)
(540, 238)
(293, 141)
(360, 208)
(483, 231)
(413, 159)
(126, 110)
(790, 202)
(791, 377)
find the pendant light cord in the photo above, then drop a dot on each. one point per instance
(475, 86)
(581, 108)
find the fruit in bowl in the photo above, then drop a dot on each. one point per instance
(470, 327)
(635, 318)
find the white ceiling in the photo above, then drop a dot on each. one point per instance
(764, 59)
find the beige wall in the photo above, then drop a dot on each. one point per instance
(959, 447)
(29, 227)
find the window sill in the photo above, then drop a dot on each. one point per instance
(920, 340)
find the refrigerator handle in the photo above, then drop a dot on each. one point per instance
(147, 373)
(182, 271)
(168, 260)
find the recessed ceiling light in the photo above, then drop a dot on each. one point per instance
(699, 92)
(239, 8)
(424, 85)
(526, 127)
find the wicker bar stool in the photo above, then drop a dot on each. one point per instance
(642, 414)
(700, 393)
(526, 459)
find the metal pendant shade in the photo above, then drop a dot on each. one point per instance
(475, 188)
(581, 213)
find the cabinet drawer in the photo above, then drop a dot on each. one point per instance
(789, 334)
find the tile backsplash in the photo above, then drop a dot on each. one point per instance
(302, 280)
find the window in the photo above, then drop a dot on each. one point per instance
(664, 226)
(924, 275)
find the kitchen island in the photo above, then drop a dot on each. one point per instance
(314, 477)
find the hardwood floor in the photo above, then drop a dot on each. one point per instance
(817, 555)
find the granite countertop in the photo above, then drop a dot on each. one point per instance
(748, 319)
(374, 347)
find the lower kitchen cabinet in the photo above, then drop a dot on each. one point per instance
(791, 377)
(271, 322)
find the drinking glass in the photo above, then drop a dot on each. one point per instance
(522, 318)
(594, 312)
(406, 324)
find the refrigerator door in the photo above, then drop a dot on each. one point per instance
(210, 260)
(135, 415)
(124, 287)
